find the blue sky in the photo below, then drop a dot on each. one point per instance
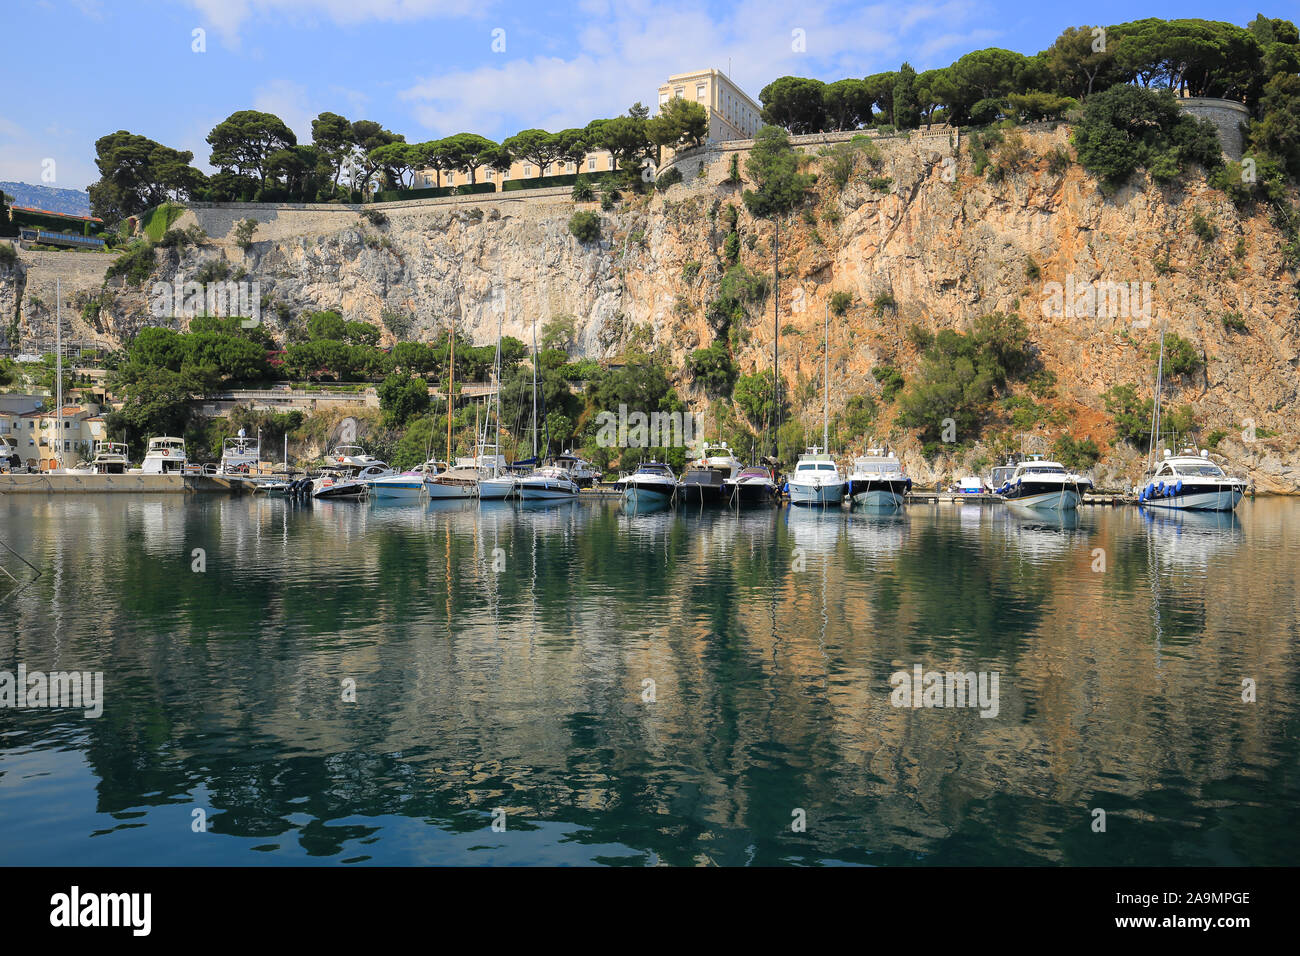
(427, 68)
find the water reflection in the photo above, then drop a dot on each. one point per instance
(500, 656)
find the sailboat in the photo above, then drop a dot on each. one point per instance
(1189, 480)
(554, 479)
(461, 481)
(817, 480)
(495, 483)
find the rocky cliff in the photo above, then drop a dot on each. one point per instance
(927, 238)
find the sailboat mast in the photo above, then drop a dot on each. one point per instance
(534, 388)
(1155, 404)
(776, 336)
(451, 381)
(58, 367)
(826, 381)
(500, 324)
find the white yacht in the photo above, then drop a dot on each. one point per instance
(718, 457)
(817, 480)
(165, 456)
(1191, 481)
(752, 485)
(1037, 483)
(239, 456)
(109, 459)
(583, 472)
(877, 480)
(552, 481)
(652, 482)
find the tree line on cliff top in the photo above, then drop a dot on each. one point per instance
(257, 156)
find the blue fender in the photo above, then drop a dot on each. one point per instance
(1178, 488)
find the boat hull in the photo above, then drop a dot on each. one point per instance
(450, 490)
(751, 493)
(875, 493)
(405, 488)
(700, 494)
(547, 489)
(649, 491)
(340, 490)
(819, 494)
(1209, 499)
(1055, 499)
(496, 489)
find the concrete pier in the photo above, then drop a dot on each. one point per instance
(38, 484)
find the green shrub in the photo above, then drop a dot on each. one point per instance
(135, 264)
(1201, 226)
(1077, 454)
(1233, 322)
(713, 369)
(1131, 415)
(731, 248)
(1216, 436)
(690, 270)
(583, 191)
(889, 379)
(585, 227)
(1181, 357)
(670, 178)
(840, 302)
(1032, 271)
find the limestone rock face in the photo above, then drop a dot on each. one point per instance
(923, 240)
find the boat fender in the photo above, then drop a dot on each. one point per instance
(1178, 488)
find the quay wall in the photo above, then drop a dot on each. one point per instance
(37, 484)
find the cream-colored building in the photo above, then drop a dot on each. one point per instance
(732, 115)
(38, 441)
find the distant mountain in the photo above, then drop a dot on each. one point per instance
(73, 202)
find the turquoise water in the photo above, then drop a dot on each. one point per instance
(500, 656)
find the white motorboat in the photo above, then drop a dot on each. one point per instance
(816, 480)
(877, 480)
(583, 472)
(165, 456)
(335, 484)
(750, 486)
(653, 481)
(1045, 485)
(552, 481)
(406, 484)
(1191, 481)
(718, 457)
(109, 458)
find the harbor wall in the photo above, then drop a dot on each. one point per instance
(114, 484)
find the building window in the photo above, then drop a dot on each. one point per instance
(528, 170)
(679, 92)
(490, 175)
(591, 163)
(699, 92)
(663, 97)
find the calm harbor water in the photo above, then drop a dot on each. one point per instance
(501, 656)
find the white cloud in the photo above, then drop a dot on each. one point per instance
(228, 16)
(289, 101)
(627, 50)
